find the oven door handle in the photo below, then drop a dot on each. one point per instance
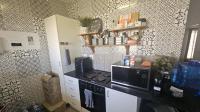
(98, 94)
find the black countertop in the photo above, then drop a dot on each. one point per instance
(186, 104)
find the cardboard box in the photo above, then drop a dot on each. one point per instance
(52, 89)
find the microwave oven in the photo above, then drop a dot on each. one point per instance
(132, 76)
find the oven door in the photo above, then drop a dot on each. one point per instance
(98, 94)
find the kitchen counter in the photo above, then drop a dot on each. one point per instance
(186, 104)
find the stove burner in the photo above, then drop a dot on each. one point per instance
(98, 76)
(106, 75)
(97, 72)
(90, 76)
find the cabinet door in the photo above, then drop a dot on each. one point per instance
(72, 92)
(120, 102)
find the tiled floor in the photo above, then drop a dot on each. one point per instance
(69, 109)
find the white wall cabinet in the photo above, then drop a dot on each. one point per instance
(120, 102)
(72, 92)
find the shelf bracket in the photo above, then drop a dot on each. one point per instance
(93, 49)
(127, 47)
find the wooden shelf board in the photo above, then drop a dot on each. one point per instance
(116, 30)
(108, 45)
(127, 47)
(125, 29)
(93, 33)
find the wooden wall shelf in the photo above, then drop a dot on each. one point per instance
(108, 45)
(127, 47)
(116, 30)
(85, 34)
(128, 29)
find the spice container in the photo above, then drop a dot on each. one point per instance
(124, 38)
(118, 40)
(132, 60)
(100, 41)
(112, 41)
(105, 40)
(143, 21)
(94, 40)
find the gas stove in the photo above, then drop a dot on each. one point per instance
(93, 82)
(98, 76)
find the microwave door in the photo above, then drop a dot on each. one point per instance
(138, 78)
(133, 77)
(120, 74)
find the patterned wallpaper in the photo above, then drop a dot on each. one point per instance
(166, 25)
(20, 70)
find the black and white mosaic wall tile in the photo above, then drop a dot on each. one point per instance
(166, 26)
(166, 23)
(147, 43)
(26, 66)
(40, 8)
(7, 67)
(15, 68)
(39, 27)
(10, 92)
(181, 17)
(17, 15)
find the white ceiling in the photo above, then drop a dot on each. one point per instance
(71, 1)
(68, 1)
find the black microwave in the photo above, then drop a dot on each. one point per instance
(132, 76)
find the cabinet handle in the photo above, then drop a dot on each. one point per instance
(59, 63)
(107, 93)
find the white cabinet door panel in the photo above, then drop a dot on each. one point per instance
(120, 102)
(72, 92)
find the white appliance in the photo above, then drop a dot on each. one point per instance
(14, 40)
(64, 45)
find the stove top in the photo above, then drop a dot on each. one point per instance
(98, 76)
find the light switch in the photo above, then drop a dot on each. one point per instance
(16, 44)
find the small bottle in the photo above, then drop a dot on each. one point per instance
(132, 60)
(127, 60)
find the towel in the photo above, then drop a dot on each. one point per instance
(88, 98)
